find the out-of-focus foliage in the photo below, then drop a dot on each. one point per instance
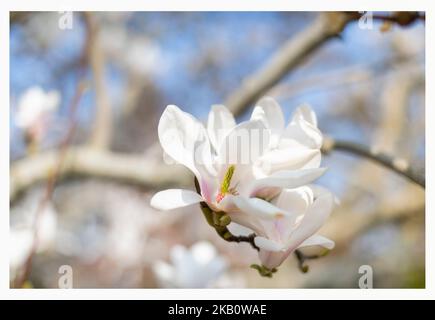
(367, 86)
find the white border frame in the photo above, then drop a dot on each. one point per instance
(208, 5)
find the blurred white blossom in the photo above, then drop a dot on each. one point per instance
(199, 266)
(35, 106)
(22, 236)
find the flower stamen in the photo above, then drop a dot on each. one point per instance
(225, 186)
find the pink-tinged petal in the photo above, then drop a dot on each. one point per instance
(181, 135)
(313, 220)
(286, 179)
(318, 240)
(174, 198)
(220, 122)
(273, 259)
(232, 205)
(268, 245)
(239, 230)
(259, 208)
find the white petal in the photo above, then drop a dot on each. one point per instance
(174, 198)
(267, 244)
(313, 220)
(220, 122)
(295, 200)
(230, 205)
(239, 230)
(269, 111)
(289, 158)
(318, 240)
(258, 207)
(305, 112)
(244, 144)
(319, 190)
(286, 179)
(180, 135)
(273, 259)
(303, 132)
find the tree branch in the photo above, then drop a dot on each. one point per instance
(398, 165)
(89, 162)
(294, 51)
(101, 134)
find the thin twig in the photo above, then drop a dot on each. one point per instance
(222, 230)
(51, 182)
(302, 258)
(398, 165)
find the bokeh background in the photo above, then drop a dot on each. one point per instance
(366, 86)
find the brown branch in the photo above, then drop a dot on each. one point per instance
(292, 53)
(398, 165)
(101, 134)
(402, 18)
(327, 25)
(88, 162)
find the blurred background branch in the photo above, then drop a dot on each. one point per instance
(102, 129)
(399, 165)
(286, 58)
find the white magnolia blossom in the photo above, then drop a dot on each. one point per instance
(34, 106)
(297, 216)
(295, 146)
(200, 266)
(240, 168)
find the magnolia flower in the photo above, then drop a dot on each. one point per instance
(197, 267)
(295, 146)
(34, 107)
(288, 222)
(225, 158)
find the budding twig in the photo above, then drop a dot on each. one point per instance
(219, 222)
(302, 258)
